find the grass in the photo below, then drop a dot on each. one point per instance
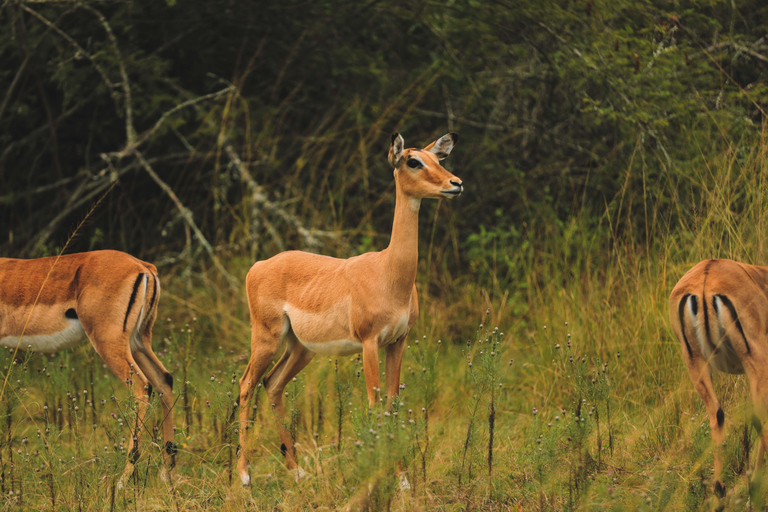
(547, 378)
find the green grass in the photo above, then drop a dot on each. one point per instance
(568, 320)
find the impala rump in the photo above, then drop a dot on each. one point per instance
(714, 332)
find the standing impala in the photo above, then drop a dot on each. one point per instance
(108, 297)
(329, 306)
(719, 312)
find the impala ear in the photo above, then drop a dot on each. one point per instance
(442, 147)
(396, 150)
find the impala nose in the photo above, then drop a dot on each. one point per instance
(456, 190)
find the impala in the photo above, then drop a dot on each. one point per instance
(107, 297)
(322, 305)
(719, 312)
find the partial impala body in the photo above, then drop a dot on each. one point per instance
(719, 312)
(107, 297)
(329, 306)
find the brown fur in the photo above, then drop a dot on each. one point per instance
(36, 294)
(360, 304)
(732, 345)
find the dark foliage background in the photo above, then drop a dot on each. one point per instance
(562, 106)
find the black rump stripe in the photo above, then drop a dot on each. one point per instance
(133, 298)
(681, 312)
(728, 304)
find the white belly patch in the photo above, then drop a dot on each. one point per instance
(334, 348)
(70, 337)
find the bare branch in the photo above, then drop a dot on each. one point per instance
(186, 214)
(259, 198)
(130, 131)
(15, 80)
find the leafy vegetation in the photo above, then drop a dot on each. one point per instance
(605, 148)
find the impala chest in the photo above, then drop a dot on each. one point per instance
(396, 328)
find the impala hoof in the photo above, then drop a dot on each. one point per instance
(245, 478)
(299, 474)
(165, 476)
(125, 476)
(405, 485)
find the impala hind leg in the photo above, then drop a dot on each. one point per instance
(392, 368)
(758, 384)
(264, 343)
(295, 359)
(162, 381)
(701, 376)
(125, 367)
(371, 370)
(392, 374)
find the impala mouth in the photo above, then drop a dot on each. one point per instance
(451, 193)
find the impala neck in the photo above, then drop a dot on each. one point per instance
(402, 254)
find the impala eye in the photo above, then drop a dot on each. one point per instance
(413, 163)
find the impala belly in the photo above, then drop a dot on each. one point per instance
(324, 332)
(71, 336)
(333, 348)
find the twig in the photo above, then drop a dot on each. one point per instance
(43, 128)
(147, 134)
(13, 197)
(462, 120)
(15, 80)
(46, 232)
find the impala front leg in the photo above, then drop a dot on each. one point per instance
(371, 369)
(392, 368)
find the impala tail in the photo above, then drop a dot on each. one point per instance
(716, 328)
(142, 305)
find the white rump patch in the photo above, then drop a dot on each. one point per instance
(69, 337)
(698, 329)
(136, 343)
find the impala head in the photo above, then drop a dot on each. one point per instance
(418, 171)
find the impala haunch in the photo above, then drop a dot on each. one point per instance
(719, 313)
(107, 297)
(322, 305)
